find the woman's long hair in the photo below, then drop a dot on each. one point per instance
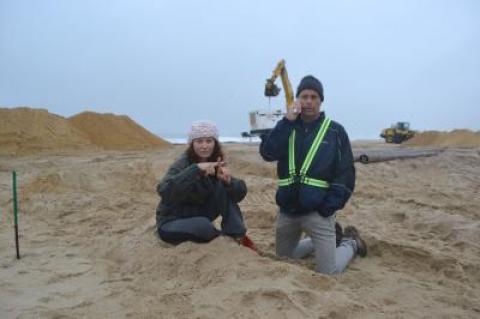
(217, 152)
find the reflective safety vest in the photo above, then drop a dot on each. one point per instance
(293, 177)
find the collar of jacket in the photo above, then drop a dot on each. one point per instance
(300, 123)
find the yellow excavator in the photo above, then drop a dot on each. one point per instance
(272, 90)
(262, 121)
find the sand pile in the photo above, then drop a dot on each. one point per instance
(114, 132)
(29, 131)
(25, 130)
(455, 138)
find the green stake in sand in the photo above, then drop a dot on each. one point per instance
(15, 211)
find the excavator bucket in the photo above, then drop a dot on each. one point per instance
(271, 89)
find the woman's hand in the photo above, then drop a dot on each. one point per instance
(208, 168)
(223, 174)
(218, 169)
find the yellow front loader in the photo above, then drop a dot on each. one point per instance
(397, 133)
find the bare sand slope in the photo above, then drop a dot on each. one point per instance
(115, 132)
(90, 249)
(455, 138)
(26, 131)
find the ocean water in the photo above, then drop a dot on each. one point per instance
(223, 139)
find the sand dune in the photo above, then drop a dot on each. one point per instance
(36, 131)
(114, 132)
(455, 138)
(25, 131)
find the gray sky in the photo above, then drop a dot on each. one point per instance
(168, 63)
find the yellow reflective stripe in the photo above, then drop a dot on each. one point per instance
(308, 159)
(305, 180)
(315, 182)
(291, 153)
(285, 181)
(315, 145)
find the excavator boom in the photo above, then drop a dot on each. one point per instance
(272, 90)
(262, 121)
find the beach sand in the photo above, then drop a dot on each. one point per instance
(89, 247)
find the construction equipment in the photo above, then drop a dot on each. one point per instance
(272, 90)
(397, 133)
(262, 121)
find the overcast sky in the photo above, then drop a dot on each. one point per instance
(168, 63)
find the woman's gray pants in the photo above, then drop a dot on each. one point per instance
(321, 241)
(201, 229)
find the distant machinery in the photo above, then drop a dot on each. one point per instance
(397, 133)
(262, 121)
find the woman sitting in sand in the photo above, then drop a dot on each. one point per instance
(197, 189)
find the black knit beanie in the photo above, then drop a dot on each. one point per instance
(310, 83)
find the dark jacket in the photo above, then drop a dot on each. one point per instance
(332, 163)
(186, 192)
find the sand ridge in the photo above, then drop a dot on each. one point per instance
(26, 130)
(114, 132)
(455, 138)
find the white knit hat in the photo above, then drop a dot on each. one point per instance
(202, 129)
